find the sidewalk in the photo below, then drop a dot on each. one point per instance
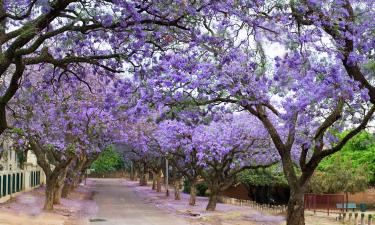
(225, 214)
(27, 209)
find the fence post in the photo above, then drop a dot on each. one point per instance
(356, 218)
(314, 204)
(362, 219)
(350, 217)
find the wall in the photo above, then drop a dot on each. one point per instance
(367, 197)
(237, 191)
(15, 182)
(13, 179)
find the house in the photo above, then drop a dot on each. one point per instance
(18, 173)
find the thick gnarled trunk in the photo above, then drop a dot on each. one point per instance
(59, 186)
(296, 210)
(50, 192)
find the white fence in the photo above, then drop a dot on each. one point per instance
(14, 182)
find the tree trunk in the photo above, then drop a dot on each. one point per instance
(76, 180)
(59, 186)
(136, 174)
(193, 193)
(177, 187)
(132, 173)
(158, 181)
(57, 194)
(153, 181)
(214, 191)
(50, 193)
(296, 210)
(66, 189)
(142, 178)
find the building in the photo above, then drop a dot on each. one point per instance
(17, 177)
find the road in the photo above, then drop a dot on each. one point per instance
(118, 205)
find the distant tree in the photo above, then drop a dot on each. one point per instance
(265, 185)
(360, 151)
(341, 176)
(108, 161)
(271, 176)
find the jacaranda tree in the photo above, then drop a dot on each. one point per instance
(80, 37)
(318, 82)
(61, 124)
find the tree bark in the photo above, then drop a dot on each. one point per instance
(214, 192)
(59, 186)
(193, 193)
(58, 193)
(132, 173)
(50, 192)
(177, 187)
(296, 210)
(142, 178)
(158, 181)
(153, 181)
(67, 188)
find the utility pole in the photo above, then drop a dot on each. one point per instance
(166, 176)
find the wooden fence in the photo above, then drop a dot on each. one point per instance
(356, 218)
(345, 217)
(272, 209)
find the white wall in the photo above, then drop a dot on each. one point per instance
(10, 167)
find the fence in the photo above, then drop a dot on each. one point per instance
(356, 218)
(327, 202)
(274, 209)
(12, 182)
(346, 218)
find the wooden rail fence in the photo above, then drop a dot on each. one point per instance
(346, 217)
(272, 209)
(356, 218)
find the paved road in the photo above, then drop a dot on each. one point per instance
(118, 205)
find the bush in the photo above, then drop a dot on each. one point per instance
(272, 176)
(108, 161)
(201, 188)
(359, 151)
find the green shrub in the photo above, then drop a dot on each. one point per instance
(201, 188)
(108, 161)
(359, 151)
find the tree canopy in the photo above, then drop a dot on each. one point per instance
(79, 75)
